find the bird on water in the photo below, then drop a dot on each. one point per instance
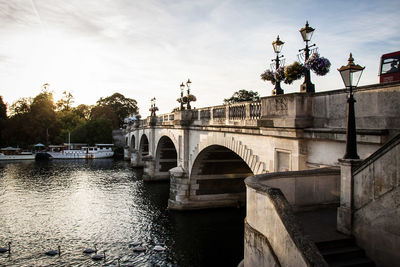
(90, 250)
(4, 250)
(98, 257)
(53, 252)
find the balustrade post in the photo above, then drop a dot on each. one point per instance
(247, 111)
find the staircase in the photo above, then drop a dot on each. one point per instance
(344, 252)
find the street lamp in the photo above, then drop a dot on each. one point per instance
(277, 45)
(306, 33)
(181, 99)
(153, 108)
(351, 75)
(188, 83)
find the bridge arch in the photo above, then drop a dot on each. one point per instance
(166, 157)
(143, 146)
(219, 170)
(243, 151)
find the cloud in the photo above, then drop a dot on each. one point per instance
(147, 48)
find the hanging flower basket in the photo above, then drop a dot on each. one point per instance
(273, 77)
(293, 72)
(268, 76)
(319, 65)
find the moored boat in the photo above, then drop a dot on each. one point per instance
(14, 153)
(80, 151)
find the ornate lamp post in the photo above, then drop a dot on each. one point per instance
(189, 97)
(277, 45)
(181, 99)
(153, 108)
(188, 83)
(351, 75)
(306, 33)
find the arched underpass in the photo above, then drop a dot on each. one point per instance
(143, 146)
(166, 158)
(217, 177)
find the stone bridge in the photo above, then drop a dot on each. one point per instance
(206, 153)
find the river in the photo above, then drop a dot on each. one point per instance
(78, 203)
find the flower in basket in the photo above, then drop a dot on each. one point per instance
(268, 76)
(317, 64)
(293, 72)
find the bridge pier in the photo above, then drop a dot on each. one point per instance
(135, 159)
(127, 153)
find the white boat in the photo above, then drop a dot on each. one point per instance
(12, 153)
(81, 151)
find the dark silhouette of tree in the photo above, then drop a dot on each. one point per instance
(105, 112)
(65, 102)
(21, 106)
(3, 118)
(122, 106)
(241, 96)
(83, 111)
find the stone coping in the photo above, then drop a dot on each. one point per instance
(343, 131)
(284, 210)
(255, 181)
(377, 154)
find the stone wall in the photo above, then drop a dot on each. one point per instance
(376, 107)
(272, 235)
(304, 189)
(376, 221)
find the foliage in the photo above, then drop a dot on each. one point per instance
(93, 131)
(268, 75)
(242, 95)
(273, 76)
(21, 106)
(105, 112)
(83, 111)
(3, 117)
(293, 72)
(65, 102)
(38, 119)
(122, 106)
(3, 109)
(319, 65)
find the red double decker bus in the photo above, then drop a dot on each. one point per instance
(390, 68)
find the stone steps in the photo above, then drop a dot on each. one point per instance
(344, 252)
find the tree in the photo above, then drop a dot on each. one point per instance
(21, 106)
(3, 117)
(67, 121)
(242, 95)
(83, 111)
(65, 102)
(3, 109)
(43, 117)
(105, 112)
(122, 106)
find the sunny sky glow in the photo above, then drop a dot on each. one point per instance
(142, 49)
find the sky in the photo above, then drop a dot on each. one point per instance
(145, 49)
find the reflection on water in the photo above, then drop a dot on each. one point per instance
(76, 204)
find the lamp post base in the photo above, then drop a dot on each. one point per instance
(307, 88)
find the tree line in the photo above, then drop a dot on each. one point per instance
(42, 120)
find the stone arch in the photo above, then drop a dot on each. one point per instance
(252, 160)
(166, 157)
(143, 146)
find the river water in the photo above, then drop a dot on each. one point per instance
(76, 204)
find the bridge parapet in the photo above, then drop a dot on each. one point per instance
(238, 114)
